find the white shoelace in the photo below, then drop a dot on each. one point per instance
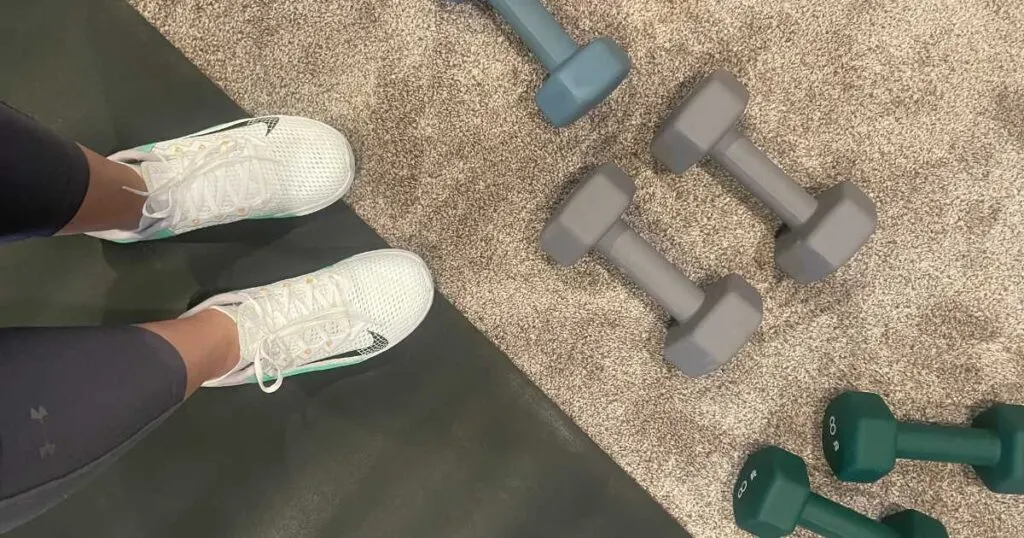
(193, 160)
(324, 321)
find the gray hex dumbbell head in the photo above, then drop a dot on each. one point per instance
(728, 317)
(586, 215)
(843, 222)
(696, 125)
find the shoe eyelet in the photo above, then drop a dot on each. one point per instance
(242, 210)
(195, 221)
(309, 351)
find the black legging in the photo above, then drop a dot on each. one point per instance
(43, 178)
(70, 398)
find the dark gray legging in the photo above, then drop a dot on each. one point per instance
(71, 398)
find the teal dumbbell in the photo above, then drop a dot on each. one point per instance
(772, 497)
(862, 441)
(580, 77)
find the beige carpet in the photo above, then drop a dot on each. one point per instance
(921, 103)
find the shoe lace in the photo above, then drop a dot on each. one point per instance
(323, 320)
(194, 159)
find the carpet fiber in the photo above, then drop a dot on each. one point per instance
(919, 103)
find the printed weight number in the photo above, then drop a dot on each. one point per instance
(833, 427)
(745, 484)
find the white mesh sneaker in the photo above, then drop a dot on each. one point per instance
(337, 316)
(259, 168)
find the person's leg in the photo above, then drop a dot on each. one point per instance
(69, 397)
(50, 185)
(206, 342)
(112, 201)
(270, 167)
(72, 399)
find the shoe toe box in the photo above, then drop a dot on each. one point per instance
(393, 289)
(317, 163)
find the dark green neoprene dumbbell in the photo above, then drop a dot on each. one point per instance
(862, 441)
(773, 497)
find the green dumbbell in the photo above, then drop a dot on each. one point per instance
(862, 441)
(773, 497)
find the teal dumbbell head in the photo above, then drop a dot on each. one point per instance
(770, 493)
(772, 498)
(580, 77)
(862, 441)
(583, 81)
(859, 437)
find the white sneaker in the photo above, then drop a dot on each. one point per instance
(337, 316)
(259, 168)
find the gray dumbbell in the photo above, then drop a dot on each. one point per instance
(819, 234)
(711, 325)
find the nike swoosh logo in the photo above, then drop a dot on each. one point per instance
(269, 121)
(379, 343)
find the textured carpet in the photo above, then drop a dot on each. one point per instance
(919, 103)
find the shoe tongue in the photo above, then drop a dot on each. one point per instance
(156, 174)
(156, 203)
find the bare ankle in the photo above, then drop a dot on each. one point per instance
(228, 355)
(207, 343)
(108, 204)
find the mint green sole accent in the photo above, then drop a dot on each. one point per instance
(322, 368)
(148, 148)
(309, 370)
(162, 234)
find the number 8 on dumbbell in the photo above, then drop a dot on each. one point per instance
(832, 429)
(743, 486)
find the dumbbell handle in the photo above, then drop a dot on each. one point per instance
(833, 520)
(647, 267)
(761, 176)
(541, 32)
(951, 444)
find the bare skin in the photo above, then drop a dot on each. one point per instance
(207, 341)
(107, 205)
